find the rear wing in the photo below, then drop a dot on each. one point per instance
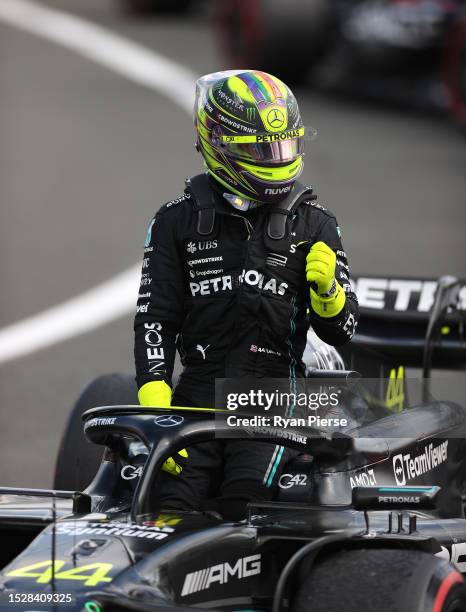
(417, 322)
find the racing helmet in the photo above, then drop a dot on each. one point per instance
(250, 133)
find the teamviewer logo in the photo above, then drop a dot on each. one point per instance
(399, 470)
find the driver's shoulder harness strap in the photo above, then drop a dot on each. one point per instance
(277, 234)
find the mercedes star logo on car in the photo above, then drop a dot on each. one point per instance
(168, 420)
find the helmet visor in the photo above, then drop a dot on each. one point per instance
(277, 148)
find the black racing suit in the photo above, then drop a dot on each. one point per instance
(233, 308)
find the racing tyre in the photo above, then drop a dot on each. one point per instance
(282, 38)
(385, 580)
(78, 459)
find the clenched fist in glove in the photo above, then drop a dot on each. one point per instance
(327, 296)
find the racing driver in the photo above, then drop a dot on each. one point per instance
(235, 271)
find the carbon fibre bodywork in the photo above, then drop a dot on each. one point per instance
(395, 481)
(108, 546)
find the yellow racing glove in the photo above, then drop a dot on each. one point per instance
(175, 467)
(155, 393)
(329, 299)
(158, 393)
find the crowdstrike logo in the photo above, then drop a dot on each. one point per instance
(406, 468)
(235, 124)
(197, 262)
(101, 421)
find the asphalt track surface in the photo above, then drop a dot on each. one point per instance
(86, 157)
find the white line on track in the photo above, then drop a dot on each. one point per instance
(116, 297)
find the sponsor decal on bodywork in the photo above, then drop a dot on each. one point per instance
(292, 480)
(395, 395)
(221, 574)
(406, 467)
(363, 479)
(130, 472)
(399, 294)
(126, 530)
(164, 520)
(394, 499)
(99, 421)
(168, 420)
(280, 433)
(90, 575)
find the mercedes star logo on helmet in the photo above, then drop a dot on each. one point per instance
(168, 420)
(276, 118)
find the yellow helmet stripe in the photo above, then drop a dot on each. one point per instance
(225, 166)
(264, 138)
(272, 173)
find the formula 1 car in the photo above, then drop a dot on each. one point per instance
(375, 519)
(403, 50)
